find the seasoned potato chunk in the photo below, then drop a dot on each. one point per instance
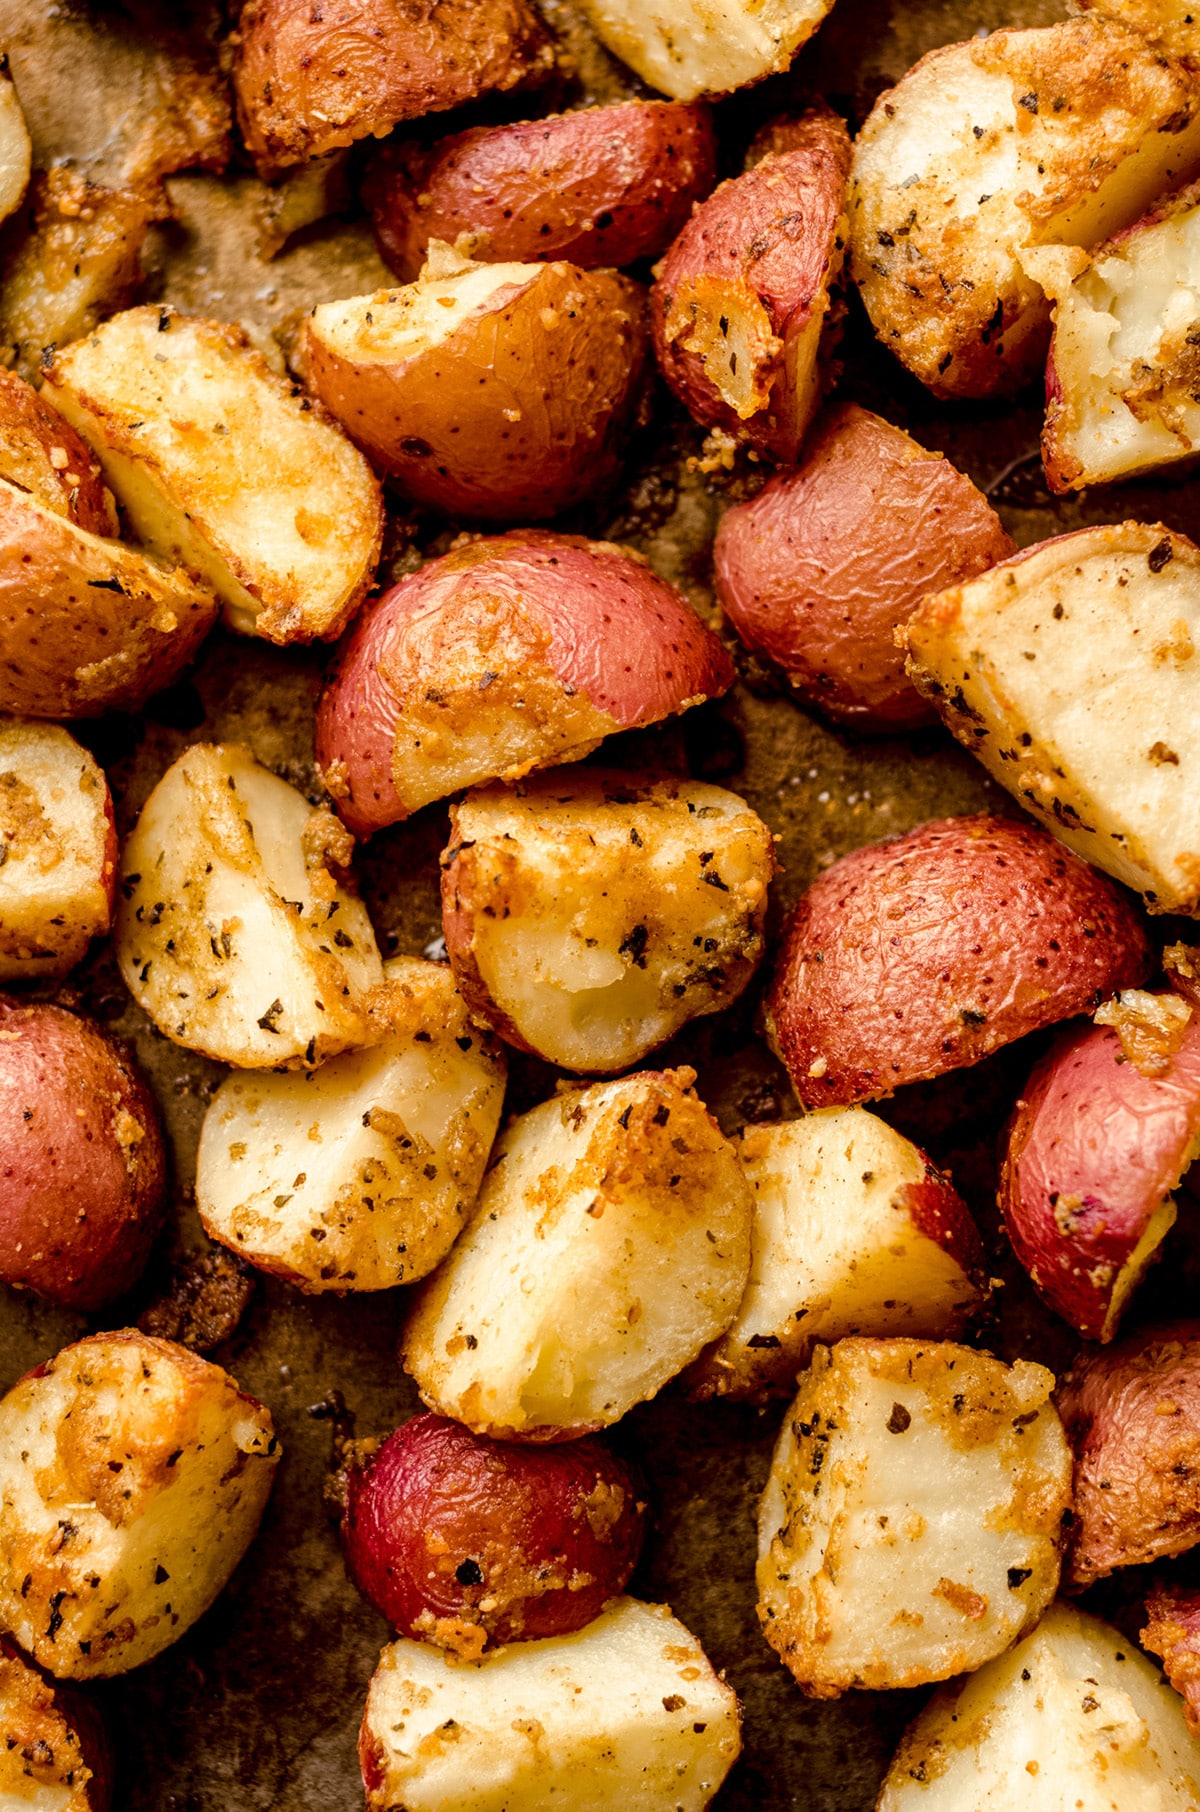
(610, 1244)
(627, 1712)
(705, 46)
(235, 929)
(911, 1524)
(358, 1175)
(181, 412)
(132, 1478)
(854, 1232)
(53, 1752)
(1069, 671)
(1173, 24)
(42, 454)
(589, 915)
(16, 151)
(1173, 1632)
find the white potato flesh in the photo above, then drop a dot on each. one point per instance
(234, 929)
(626, 1712)
(1074, 1716)
(393, 326)
(57, 850)
(1070, 672)
(850, 1236)
(132, 1478)
(705, 46)
(610, 1244)
(180, 412)
(590, 915)
(16, 151)
(358, 1175)
(912, 1520)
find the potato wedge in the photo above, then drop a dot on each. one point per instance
(912, 1521)
(1173, 1633)
(132, 1479)
(1072, 1716)
(1068, 672)
(359, 1175)
(588, 915)
(1060, 135)
(627, 1712)
(16, 149)
(490, 391)
(41, 453)
(854, 1232)
(512, 652)
(54, 1756)
(179, 410)
(702, 47)
(610, 1244)
(236, 931)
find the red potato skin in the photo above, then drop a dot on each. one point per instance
(939, 1212)
(819, 569)
(603, 186)
(35, 1703)
(1172, 1633)
(586, 617)
(82, 1159)
(29, 428)
(440, 1519)
(925, 953)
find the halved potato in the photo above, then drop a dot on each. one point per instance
(854, 1232)
(1059, 135)
(705, 46)
(912, 1521)
(181, 413)
(360, 1174)
(132, 1478)
(16, 150)
(236, 931)
(54, 1756)
(627, 1712)
(1069, 671)
(42, 454)
(590, 915)
(610, 1244)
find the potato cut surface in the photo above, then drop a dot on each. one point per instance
(43, 1764)
(58, 850)
(705, 46)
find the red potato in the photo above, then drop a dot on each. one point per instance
(82, 1160)
(468, 1542)
(512, 652)
(922, 954)
(1173, 1633)
(742, 296)
(602, 186)
(54, 1755)
(41, 453)
(817, 571)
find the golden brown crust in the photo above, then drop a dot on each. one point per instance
(41, 453)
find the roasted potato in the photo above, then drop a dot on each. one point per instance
(1172, 24)
(1072, 1716)
(1173, 1633)
(702, 48)
(470, 1543)
(816, 572)
(987, 149)
(58, 850)
(600, 186)
(919, 955)
(84, 1165)
(308, 81)
(489, 391)
(589, 915)
(511, 652)
(627, 1712)
(132, 1478)
(912, 1521)
(610, 1244)
(179, 411)
(854, 1232)
(54, 1756)
(42, 454)
(1067, 671)
(360, 1174)
(742, 296)
(16, 150)
(236, 931)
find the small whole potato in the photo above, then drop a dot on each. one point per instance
(54, 1754)
(922, 954)
(816, 572)
(469, 1542)
(82, 1160)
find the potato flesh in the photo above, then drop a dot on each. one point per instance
(706, 46)
(625, 1712)
(41, 1757)
(16, 150)
(611, 1243)
(56, 856)
(358, 1175)
(1073, 1716)
(1069, 672)
(394, 326)
(911, 1522)
(271, 960)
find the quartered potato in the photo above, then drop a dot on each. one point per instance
(912, 1521)
(358, 1175)
(54, 1756)
(705, 46)
(627, 1712)
(41, 453)
(132, 1478)
(16, 151)
(589, 915)
(235, 929)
